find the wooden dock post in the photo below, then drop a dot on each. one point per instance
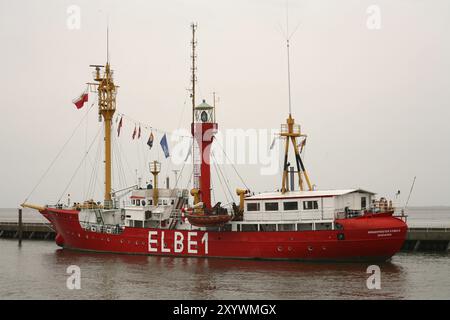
(20, 227)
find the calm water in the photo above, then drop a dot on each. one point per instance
(37, 270)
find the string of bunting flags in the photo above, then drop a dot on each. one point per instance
(80, 101)
(138, 127)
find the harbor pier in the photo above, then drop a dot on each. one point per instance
(35, 231)
(427, 239)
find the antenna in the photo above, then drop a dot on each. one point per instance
(107, 44)
(289, 77)
(107, 39)
(288, 37)
(288, 60)
(193, 68)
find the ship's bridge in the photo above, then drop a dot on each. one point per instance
(166, 197)
(142, 211)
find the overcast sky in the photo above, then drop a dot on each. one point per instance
(375, 103)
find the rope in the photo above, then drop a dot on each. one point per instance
(118, 170)
(223, 176)
(58, 154)
(94, 166)
(93, 180)
(235, 170)
(79, 166)
(147, 126)
(119, 145)
(85, 147)
(221, 184)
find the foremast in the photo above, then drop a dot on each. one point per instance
(106, 89)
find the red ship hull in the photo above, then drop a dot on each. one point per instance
(367, 238)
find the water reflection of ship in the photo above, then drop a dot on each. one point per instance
(216, 264)
(221, 278)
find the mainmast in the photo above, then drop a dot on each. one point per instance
(203, 129)
(193, 68)
(195, 148)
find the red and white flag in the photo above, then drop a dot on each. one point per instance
(79, 102)
(119, 127)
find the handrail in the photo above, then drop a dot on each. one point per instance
(428, 229)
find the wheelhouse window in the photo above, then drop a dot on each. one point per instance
(286, 227)
(268, 227)
(271, 206)
(290, 205)
(249, 227)
(253, 206)
(138, 202)
(310, 205)
(133, 202)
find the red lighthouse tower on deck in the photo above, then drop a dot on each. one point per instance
(203, 130)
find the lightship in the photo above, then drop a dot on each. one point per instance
(297, 222)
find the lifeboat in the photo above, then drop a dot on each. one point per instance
(200, 217)
(207, 220)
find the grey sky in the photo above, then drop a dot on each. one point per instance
(374, 103)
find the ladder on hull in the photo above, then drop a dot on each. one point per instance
(176, 213)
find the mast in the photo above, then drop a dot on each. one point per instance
(291, 131)
(195, 146)
(106, 108)
(193, 68)
(203, 129)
